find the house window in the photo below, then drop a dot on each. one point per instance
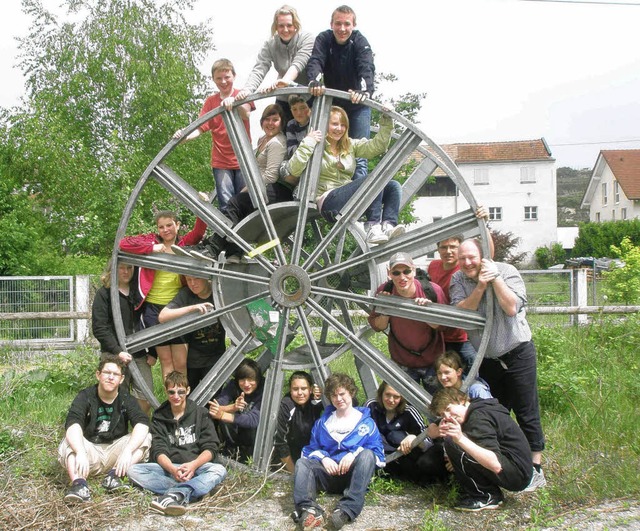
(495, 213)
(616, 191)
(481, 176)
(598, 217)
(613, 215)
(530, 213)
(623, 213)
(604, 193)
(527, 174)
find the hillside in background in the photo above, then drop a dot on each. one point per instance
(571, 186)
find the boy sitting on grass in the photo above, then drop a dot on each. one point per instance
(485, 447)
(96, 439)
(184, 445)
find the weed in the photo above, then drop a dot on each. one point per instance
(432, 520)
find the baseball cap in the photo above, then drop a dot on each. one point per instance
(401, 258)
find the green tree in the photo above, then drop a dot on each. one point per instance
(103, 96)
(622, 284)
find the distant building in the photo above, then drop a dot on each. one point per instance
(613, 192)
(515, 180)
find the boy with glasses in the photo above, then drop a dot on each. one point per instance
(97, 439)
(414, 345)
(184, 445)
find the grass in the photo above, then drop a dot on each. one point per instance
(589, 391)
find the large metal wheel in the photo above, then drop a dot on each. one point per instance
(316, 277)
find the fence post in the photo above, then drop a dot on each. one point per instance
(82, 305)
(580, 294)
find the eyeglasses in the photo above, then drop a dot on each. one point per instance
(405, 272)
(179, 392)
(110, 374)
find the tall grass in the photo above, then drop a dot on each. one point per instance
(589, 393)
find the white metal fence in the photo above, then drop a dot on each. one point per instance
(44, 310)
(55, 311)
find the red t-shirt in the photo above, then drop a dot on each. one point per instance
(222, 154)
(442, 277)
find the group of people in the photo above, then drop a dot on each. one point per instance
(339, 58)
(323, 438)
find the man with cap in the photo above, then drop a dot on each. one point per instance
(414, 345)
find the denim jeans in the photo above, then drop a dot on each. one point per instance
(338, 197)
(228, 184)
(513, 380)
(425, 376)
(153, 477)
(359, 127)
(466, 351)
(310, 475)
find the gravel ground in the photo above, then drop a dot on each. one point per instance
(390, 512)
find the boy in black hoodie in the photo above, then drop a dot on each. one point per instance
(183, 447)
(485, 446)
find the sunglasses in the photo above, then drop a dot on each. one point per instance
(180, 392)
(405, 272)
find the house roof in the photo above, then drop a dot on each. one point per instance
(625, 166)
(517, 150)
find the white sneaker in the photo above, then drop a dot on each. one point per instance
(537, 481)
(376, 235)
(392, 231)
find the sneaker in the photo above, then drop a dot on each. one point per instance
(338, 519)
(392, 231)
(480, 504)
(78, 493)
(310, 520)
(537, 481)
(376, 235)
(180, 251)
(112, 483)
(169, 505)
(233, 259)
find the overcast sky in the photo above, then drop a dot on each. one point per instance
(493, 70)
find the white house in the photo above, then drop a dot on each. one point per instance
(515, 180)
(613, 192)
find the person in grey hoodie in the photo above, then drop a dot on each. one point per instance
(183, 448)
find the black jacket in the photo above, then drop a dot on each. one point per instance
(102, 324)
(294, 427)
(84, 411)
(182, 440)
(489, 425)
(344, 66)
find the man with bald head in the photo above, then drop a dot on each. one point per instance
(509, 365)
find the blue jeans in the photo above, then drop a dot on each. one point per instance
(425, 376)
(338, 197)
(228, 184)
(359, 127)
(153, 477)
(310, 475)
(466, 351)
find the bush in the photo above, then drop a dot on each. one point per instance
(596, 239)
(622, 284)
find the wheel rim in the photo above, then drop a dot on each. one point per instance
(316, 275)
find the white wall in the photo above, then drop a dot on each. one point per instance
(505, 190)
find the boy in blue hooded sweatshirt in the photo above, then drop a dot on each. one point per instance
(344, 451)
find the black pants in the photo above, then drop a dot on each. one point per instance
(240, 206)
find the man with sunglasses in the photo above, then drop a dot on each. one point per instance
(184, 446)
(414, 345)
(96, 437)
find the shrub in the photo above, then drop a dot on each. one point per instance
(622, 284)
